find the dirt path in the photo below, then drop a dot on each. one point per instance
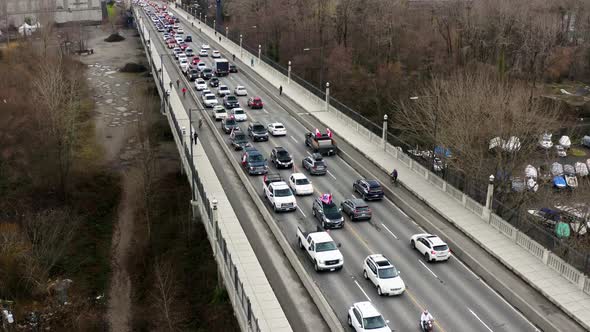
(114, 126)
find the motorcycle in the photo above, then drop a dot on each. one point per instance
(427, 326)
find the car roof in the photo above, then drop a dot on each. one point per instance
(209, 94)
(280, 148)
(276, 124)
(367, 309)
(317, 157)
(319, 237)
(297, 176)
(358, 202)
(373, 183)
(279, 185)
(380, 260)
(435, 240)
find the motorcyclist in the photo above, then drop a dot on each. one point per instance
(425, 318)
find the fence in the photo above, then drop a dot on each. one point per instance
(512, 227)
(240, 295)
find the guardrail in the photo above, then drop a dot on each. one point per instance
(239, 267)
(313, 103)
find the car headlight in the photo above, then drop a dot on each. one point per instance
(341, 219)
(321, 261)
(326, 219)
(251, 168)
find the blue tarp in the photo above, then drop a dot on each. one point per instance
(441, 151)
(559, 182)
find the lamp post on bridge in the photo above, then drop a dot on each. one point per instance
(435, 125)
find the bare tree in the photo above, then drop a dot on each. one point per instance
(58, 91)
(165, 295)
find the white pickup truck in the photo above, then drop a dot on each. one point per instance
(322, 250)
(279, 194)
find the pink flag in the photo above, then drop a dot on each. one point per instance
(329, 132)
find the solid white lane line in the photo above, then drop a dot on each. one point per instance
(362, 290)
(265, 111)
(481, 321)
(298, 208)
(332, 175)
(390, 232)
(353, 196)
(293, 138)
(426, 267)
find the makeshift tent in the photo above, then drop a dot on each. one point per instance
(556, 169)
(581, 169)
(565, 142)
(559, 182)
(562, 230)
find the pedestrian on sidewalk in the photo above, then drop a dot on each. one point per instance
(184, 92)
(195, 136)
(233, 57)
(177, 83)
(220, 39)
(280, 90)
(394, 176)
(252, 62)
(170, 85)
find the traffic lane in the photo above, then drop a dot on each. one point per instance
(242, 83)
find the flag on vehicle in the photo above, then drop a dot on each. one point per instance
(326, 198)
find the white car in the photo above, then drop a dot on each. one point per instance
(216, 54)
(223, 90)
(431, 247)
(205, 47)
(205, 92)
(201, 66)
(363, 316)
(210, 100)
(203, 52)
(239, 114)
(383, 275)
(183, 65)
(176, 52)
(280, 196)
(560, 151)
(179, 31)
(200, 84)
(219, 112)
(277, 129)
(178, 40)
(300, 184)
(240, 91)
(182, 55)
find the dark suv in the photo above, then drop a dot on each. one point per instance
(254, 162)
(230, 101)
(281, 158)
(368, 189)
(257, 131)
(315, 164)
(214, 82)
(207, 73)
(356, 209)
(192, 74)
(329, 215)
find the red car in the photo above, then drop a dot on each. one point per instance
(255, 102)
(195, 60)
(171, 45)
(183, 46)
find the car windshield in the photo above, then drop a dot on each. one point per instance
(440, 248)
(258, 128)
(325, 246)
(282, 153)
(320, 163)
(331, 211)
(240, 137)
(256, 157)
(376, 322)
(207, 70)
(231, 98)
(230, 122)
(387, 273)
(220, 110)
(238, 112)
(209, 97)
(283, 192)
(301, 181)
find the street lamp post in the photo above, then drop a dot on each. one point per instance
(289, 73)
(240, 46)
(259, 52)
(205, 19)
(384, 135)
(435, 125)
(200, 17)
(327, 96)
(227, 32)
(215, 25)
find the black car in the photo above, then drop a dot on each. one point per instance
(315, 164)
(281, 158)
(230, 101)
(227, 124)
(188, 38)
(328, 214)
(368, 189)
(257, 131)
(192, 74)
(214, 82)
(239, 140)
(233, 68)
(356, 209)
(207, 73)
